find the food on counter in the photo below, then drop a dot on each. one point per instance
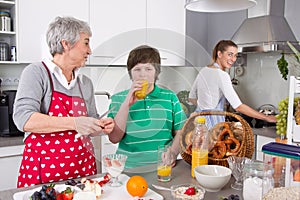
(190, 191)
(281, 124)
(226, 138)
(67, 194)
(92, 186)
(187, 192)
(283, 193)
(137, 186)
(231, 197)
(47, 192)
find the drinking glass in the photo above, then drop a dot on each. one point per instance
(237, 164)
(164, 163)
(114, 164)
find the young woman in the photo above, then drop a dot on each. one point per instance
(213, 85)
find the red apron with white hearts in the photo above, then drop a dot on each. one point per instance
(59, 155)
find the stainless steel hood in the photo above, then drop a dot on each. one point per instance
(267, 31)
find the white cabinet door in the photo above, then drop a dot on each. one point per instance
(166, 29)
(118, 26)
(260, 142)
(10, 159)
(34, 18)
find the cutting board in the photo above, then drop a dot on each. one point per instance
(109, 193)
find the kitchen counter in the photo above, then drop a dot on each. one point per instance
(266, 132)
(11, 141)
(180, 174)
(14, 141)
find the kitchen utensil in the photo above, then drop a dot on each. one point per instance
(161, 187)
(234, 81)
(78, 135)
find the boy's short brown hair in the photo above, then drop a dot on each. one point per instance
(144, 54)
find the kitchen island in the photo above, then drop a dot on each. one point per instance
(181, 174)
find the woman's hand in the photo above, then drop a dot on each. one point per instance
(107, 125)
(271, 118)
(87, 125)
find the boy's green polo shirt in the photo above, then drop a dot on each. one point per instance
(150, 123)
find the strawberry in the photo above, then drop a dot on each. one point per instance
(50, 190)
(107, 162)
(105, 180)
(190, 191)
(107, 177)
(67, 194)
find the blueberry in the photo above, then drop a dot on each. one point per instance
(44, 187)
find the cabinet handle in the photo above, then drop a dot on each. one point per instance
(102, 56)
(103, 93)
(10, 156)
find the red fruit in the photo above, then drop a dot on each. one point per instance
(67, 194)
(107, 177)
(108, 162)
(190, 191)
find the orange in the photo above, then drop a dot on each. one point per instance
(137, 186)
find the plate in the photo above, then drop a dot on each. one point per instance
(110, 192)
(25, 195)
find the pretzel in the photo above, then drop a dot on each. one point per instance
(219, 150)
(225, 134)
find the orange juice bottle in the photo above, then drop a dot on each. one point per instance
(200, 144)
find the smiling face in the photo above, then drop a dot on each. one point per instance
(227, 58)
(79, 52)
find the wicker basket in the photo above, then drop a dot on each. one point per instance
(246, 145)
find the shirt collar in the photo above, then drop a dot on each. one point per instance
(216, 65)
(155, 92)
(57, 72)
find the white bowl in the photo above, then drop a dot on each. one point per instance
(212, 177)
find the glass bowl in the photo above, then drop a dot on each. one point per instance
(178, 191)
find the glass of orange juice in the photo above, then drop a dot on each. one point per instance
(164, 163)
(141, 94)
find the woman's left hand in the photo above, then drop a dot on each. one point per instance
(107, 125)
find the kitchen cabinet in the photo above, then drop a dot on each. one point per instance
(34, 17)
(166, 30)
(119, 26)
(9, 36)
(260, 142)
(10, 159)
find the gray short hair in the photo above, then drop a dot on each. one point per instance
(65, 28)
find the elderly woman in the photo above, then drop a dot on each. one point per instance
(144, 124)
(54, 104)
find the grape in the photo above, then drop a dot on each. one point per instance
(281, 117)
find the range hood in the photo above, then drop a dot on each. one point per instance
(267, 31)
